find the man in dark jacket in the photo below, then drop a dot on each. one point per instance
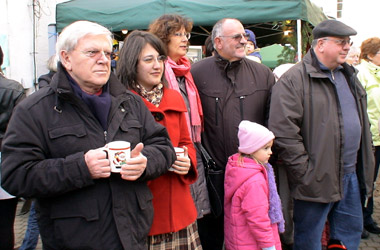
(232, 88)
(11, 93)
(53, 150)
(318, 115)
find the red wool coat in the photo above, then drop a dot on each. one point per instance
(174, 207)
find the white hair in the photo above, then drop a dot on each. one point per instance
(68, 39)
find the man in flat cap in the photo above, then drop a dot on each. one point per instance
(318, 114)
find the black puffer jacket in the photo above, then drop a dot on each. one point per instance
(11, 93)
(43, 157)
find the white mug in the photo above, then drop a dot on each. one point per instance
(118, 152)
(179, 152)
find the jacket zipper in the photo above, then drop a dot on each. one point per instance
(216, 110)
(241, 99)
(105, 136)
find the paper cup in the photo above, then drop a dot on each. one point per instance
(179, 152)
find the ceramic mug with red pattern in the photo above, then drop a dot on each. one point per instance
(118, 152)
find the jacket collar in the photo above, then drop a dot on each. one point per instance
(314, 69)
(171, 100)
(225, 64)
(61, 85)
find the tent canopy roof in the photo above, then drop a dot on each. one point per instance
(127, 14)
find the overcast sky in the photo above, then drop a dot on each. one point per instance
(362, 15)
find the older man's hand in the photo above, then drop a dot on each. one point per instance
(97, 163)
(135, 166)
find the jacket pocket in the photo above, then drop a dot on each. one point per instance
(213, 99)
(253, 103)
(75, 222)
(66, 139)
(132, 129)
(77, 130)
(86, 209)
(144, 199)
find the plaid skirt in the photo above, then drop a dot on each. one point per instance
(185, 239)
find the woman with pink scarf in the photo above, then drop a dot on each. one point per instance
(174, 30)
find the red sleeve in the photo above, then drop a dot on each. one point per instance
(185, 140)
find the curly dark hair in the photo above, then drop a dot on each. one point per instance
(126, 69)
(168, 24)
(369, 47)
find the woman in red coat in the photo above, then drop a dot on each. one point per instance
(140, 68)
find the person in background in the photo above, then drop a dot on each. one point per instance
(53, 150)
(369, 77)
(252, 208)
(281, 69)
(174, 31)
(318, 114)
(209, 48)
(251, 49)
(353, 56)
(11, 94)
(44, 80)
(232, 88)
(141, 69)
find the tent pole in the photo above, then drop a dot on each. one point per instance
(299, 41)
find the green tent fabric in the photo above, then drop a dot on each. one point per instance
(270, 55)
(138, 14)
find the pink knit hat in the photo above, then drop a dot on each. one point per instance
(253, 136)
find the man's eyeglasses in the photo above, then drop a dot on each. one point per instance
(238, 37)
(341, 42)
(151, 59)
(97, 53)
(179, 34)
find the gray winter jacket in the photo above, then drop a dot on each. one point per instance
(306, 118)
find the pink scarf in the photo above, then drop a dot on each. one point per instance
(173, 70)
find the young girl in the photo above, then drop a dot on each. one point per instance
(253, 216)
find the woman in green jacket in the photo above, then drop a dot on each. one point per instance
(369, 76)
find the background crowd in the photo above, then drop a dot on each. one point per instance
(272, 160)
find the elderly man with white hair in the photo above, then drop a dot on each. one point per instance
(53, 150)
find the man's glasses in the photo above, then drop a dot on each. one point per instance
(97, 53)
(341, 42)
(238, 37)
(179, 34)
(152, 59)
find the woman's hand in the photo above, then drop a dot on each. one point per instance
(182, 164)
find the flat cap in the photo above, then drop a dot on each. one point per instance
(332, 28)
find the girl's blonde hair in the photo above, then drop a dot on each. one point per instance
(241, 159)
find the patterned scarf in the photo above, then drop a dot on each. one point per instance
(275, 208)
(153, 96)
(173, 70)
